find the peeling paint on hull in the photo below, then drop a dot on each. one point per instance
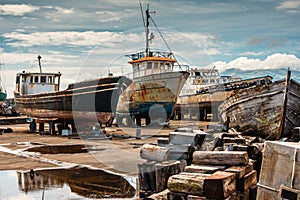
(87, 100)
(258, 109)
(147, 91)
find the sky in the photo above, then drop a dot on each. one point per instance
(87, 39)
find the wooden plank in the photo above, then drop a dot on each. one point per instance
(190, 183)
(220, 185)
(159, 196)
(289, 193)
(220, 158)
(164, 170)
(162, 142)
(176, 196)
(264, 193)
(234, 140)
(280, 165)
(201, 169)
(146, 176)
(154, 153)
(193, 197)
(240, 171)
(194, 138)
(247, 181)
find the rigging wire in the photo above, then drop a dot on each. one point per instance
(165, 41)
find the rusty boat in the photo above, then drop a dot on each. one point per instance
(155, 88)
(270, 110)
(38, 95)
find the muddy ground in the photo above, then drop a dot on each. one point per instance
(119, 152)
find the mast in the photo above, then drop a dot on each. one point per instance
(40, 65)
(147, 30)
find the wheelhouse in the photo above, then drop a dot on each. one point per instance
(35, 83)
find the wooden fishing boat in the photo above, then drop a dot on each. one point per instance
(269, 110)
(37, 95)
(203, 100)
(156, 85)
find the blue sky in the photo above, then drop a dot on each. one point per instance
(82, 39)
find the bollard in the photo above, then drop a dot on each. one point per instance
(138, 134)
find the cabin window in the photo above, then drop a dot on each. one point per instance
(50, 79)
(36, 79)
(161, 65)
(212, 81)
(197, 74)
(167, 66)
(43, 79)
(149, 65)
(31, 79)
(155, 66)
(23, 79)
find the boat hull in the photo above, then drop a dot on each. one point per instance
(151, 93)
(258, 110)
(85, 100)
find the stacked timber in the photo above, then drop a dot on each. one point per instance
(182, 143)
(280, 171)
(155, 172)
(215, 175)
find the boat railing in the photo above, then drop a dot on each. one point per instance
(144, 72)
(143, 54)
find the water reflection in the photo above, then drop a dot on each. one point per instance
(74, 183)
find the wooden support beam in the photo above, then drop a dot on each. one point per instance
(220, 158)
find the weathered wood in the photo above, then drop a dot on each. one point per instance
(261, 108)
(240, 171)
(234, 140)
(193, 138)
(265, 193)
(247, 181)
(176, 196)
(166, 169)
(162, 142)
(190, 183)
(289, 193)
(146, 176)
(239, 147)
(220, 185)
(220, 158)
(154, 153)
(193, 197)
(201, 169)
(280, 165)
(159, 196)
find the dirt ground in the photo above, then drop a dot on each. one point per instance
(119, 153)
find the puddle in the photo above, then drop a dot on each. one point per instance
(56, 149)
(59, 183)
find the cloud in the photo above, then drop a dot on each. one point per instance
(291, 6)
(17, 9)
(108, 16)
(274, 61)
(249, 53)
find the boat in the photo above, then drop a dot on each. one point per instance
(156, 85)
(38, 95)
(269, 110)
(201, 78)
(199, 99)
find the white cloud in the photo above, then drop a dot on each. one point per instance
(64, 11)
(273, 61)
(249, 53)
(291, 6)
(17, 9)
(108, 16)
